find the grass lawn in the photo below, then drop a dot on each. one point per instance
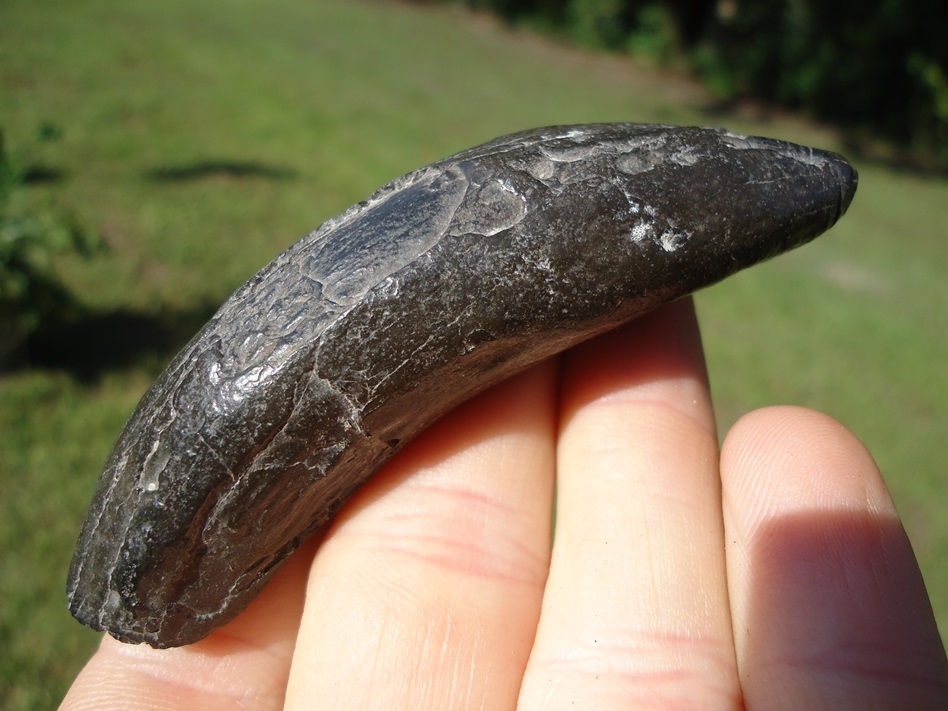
(200, 139)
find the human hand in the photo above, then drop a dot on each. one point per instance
(772, 574)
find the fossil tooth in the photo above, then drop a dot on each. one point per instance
(363, 333)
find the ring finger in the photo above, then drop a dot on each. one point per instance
(635, 611)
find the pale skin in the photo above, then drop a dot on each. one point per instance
(770, 574)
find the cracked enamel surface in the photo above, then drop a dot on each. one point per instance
(363, 333)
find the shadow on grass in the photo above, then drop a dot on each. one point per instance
(218, 169)
(91, 344)
(42, 175)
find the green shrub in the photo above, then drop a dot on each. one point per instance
(598, 23)
(31, 295)
(655, 36)
(930, 112)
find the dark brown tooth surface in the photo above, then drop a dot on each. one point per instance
(359, 336)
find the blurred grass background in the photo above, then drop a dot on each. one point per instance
(199, 139)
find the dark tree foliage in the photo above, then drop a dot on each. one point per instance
(553, 11)
(877, 64)
(691, 18)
